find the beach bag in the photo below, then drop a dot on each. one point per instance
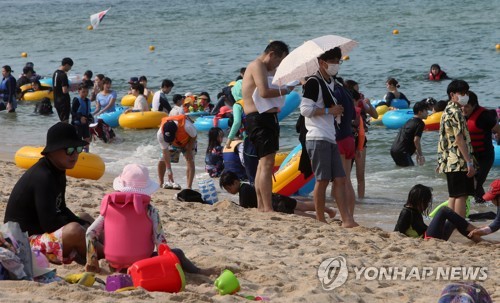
(464, 292)
(207, 188)
(128, 230)
(15, 249)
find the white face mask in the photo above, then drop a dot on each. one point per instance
(462, 100)
(333, 69)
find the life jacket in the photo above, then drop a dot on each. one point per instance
(232, 160)
(437, 77)
(84, 107)
(128, 230)
(477, 135)
(181, 136)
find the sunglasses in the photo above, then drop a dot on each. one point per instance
(71, 150)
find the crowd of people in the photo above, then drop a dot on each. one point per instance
(332, 127)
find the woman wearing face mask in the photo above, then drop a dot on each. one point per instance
(393, 93)
(481, 123)
(455, 149)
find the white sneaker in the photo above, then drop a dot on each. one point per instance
(167, 185)
(176, 186)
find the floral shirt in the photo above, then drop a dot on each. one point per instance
(453, 123)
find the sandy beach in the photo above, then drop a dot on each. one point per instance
(273, 255)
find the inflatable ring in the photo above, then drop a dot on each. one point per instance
(29, 86)
(38, 95)
(445, 203)
(292, 101)
(111, 118)
(395, 119)
(432, 121)
(141, 120)
(399, 103)
(288, 179)
(88, 166)
(205, 123)
(128, 100)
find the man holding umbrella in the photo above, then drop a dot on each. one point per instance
(320, 109)
(261, 107)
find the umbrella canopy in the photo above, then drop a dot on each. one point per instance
(303, 61)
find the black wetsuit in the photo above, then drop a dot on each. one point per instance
(37, 201)
(62, 101)
(411, 218)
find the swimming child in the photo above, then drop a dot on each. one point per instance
(80, 113)
(419, 203)
(214, 163)
(248, 197)
(133, 179)
(436, 74)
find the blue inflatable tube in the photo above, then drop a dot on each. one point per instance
(395, 119)
(207, 122)
(497, 154)
(399, 103)
(111, 118)
(292, 101)
(375, 103)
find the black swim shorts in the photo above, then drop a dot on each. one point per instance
(459, 184)
(263, 131)
(63, 108)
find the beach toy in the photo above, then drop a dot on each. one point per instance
(227, 283)
(126, 243)
(119, 281)
(395, 119)
(86, 279)
(432, 121)
(141, 120)
(161, 273)
(445, 203)
(88, 166)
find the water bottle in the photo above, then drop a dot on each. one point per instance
(207, 188)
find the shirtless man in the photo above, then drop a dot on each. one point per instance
(261, 108)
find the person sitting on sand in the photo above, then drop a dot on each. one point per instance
(248, 197)
(133, 179)
(38, 203)
(436, 74)
(492, 195)
(411, 221)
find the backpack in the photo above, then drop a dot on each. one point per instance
(44, 107)
(102, 131)
(128, 230)
(464, 292)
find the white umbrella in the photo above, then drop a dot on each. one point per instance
(303, 61)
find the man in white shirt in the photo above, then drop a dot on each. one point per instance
(320, 109)
(160, 101)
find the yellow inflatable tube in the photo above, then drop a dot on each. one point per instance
(141, 120)
(29, 86)
(88, 166)
(287, 174)
(279, 158)
(128, 100)
(381, 110)
(38, 95)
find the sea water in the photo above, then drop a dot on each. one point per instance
(201, 45)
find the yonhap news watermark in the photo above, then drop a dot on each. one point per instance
(334, 272)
